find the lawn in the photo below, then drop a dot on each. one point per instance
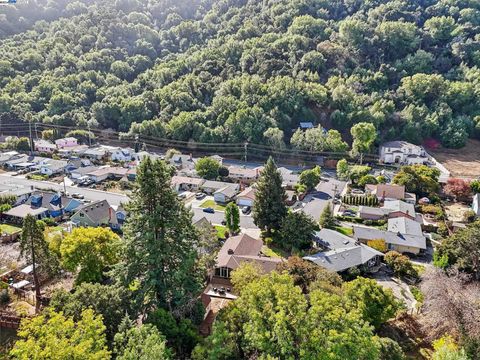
(220, 231)
(9, 229)
(274, 252)
(344, 230)
(212, 204)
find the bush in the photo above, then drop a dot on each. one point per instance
(377, 244)
(4, 297)
(400, 264)
(469, 216)
(49, 221)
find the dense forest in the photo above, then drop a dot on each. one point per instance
(246, 70)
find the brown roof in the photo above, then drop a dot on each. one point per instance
(244, 248)
(186, 180)
(390, 191)
(249, 193)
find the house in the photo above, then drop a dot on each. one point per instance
(121, 214)
(122, 154)
(476, 204)
(217, 158)
(401, 242)
(289, 178)
(210, 186)
(20, 193)
(20, 212)
(57, 205)
(98, 213)
(9, 155)
(72, 151)
(44, 146)
(405, 225)
(139, 156)
(77, 175)
(402, 152)
(340, 253)
(53, 167)
(182, 162)
(67, 142)
(76, 163)
(240, 249)
(107, 172)
(225, 194)
(399, 208)
(98, 153)
(185, 183)
(386, 191)
(244, 174)
(246, 197)
(372, 213)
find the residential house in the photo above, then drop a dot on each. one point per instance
(403, 235)
(386, 191)
(67, 142)
(20, 193)
(139, 156)
(122, 154)
(182, 162)
(237, 250)
(77, 150)
(210, 186)
(107, 172)
(244, 174)
(99, 153)
(9, 155)
(402, 152)
(53, 167)
(121, 214)
(225, 194)
(79, 174)
(20, 212)
(246, 197)
(25, 162)
(185, 183)
(56, 204)
(98, 213)
(289, 178)
(76, 163)
(372, 213)
(341, 253)
(399, 208)
(476, 204)
(44, 146)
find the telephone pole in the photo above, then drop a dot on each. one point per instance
(245, 146)
(31, 139)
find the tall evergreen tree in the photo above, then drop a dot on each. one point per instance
(269, 207)
(35, 249)
(232, 218)
(160, 244)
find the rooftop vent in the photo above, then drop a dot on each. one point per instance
(230, 252)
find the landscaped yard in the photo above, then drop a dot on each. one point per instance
(9, 229)
(220, 231)
(274, 252)
(212, 204)
(344, 230)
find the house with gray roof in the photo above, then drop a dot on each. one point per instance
(210, 186)
(402, 152)
(341, 253)
(226, 194)
(96, 214)
(53, 167)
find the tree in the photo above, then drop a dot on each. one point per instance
(91, 250)
(223, 172)
(400, 264)
(419, 179)
(51, 334)
(22, 144)
(245, 274)
(141, 343)
(377, 244)
(109, 301)
(296, 231)
(458, 188)
(310, 178)
(326, 218)
(82, 136)
(367, 179)
(342, 169)
(364, 134)
(160, 255)
(274, 138)
(35, 249)
(269, 208)
(232, 218)
(207, 168)
(475, 186)
(445, 348)
(376, 304)
(357, 172)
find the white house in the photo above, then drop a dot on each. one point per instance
(122, 154)
(246, 197)
(402, 152)
(53, 167)
(225, 194)
(476, 204)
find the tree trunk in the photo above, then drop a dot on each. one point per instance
(38, 294)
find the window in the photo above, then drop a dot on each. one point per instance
(222, 272)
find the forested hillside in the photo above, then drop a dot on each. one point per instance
(247, 70)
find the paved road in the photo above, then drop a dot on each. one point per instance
(90, 194)
(246, 222)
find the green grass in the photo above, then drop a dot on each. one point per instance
(9, 229)
(212, 204)
(344, 230)
(274, 252)
(419, 268)
(220, 231)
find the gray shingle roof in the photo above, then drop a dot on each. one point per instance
(368, 233)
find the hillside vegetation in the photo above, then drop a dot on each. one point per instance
(246, 70)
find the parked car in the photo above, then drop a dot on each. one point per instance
(78, 196)
(357, 191)
(246, 210)
(349, 213)
(209, 210)
(87, 182)
(200, 195)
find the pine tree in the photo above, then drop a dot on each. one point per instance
(232, 218)
(269, 207)
(35, 249)
(160, 244)
(326, 218)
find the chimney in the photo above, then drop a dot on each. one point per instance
(230, 252)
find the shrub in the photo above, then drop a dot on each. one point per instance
(377, 244)
(4, 297)
(400, 264)
(469, 216)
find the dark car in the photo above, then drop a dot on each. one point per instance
(209, 210)
(246, 210)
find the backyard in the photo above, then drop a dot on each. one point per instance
(212, 204)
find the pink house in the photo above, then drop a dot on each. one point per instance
(66, 142)
(44, 146)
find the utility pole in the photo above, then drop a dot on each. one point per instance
(245, 146)
(36, 133)
(31, 139)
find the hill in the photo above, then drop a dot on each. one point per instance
(238, 70)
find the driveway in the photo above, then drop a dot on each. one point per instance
(317, 200)
(400, 289)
